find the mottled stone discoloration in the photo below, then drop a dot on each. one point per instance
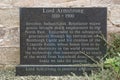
(9, 55)
(116, 2)
(115, 15)
(10, 37)
(9, 17)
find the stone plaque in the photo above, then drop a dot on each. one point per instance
(58, 41)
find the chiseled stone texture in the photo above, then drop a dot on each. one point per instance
(9, 55)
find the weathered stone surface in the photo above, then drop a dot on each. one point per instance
(113, 29)
(81, 2)
(1, 66)
(9, 37)
(2, 33)
(9, 66)
(115, 15)
(61, 3)
(9, 17)
(44, 3)
(23, 3)
(5, 1)
(0, 59)
(3, 5)
(101, 3)
(9, 55)
(116, 1)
